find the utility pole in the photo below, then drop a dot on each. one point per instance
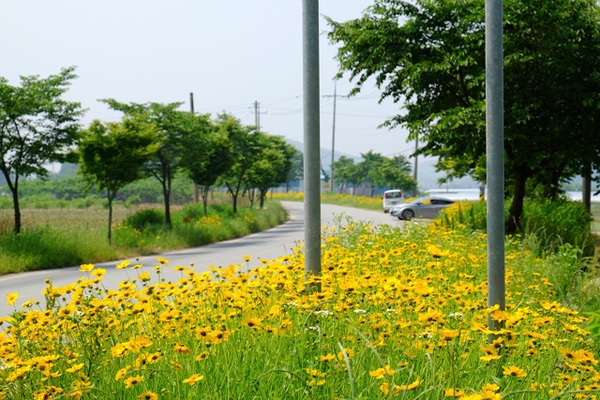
(494, 107)
(335, 96)
(312, 173)
(333, 133)
(257, 115)
(416, 164)
(196, 189)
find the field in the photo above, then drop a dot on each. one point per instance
(400, 314)
(58, 237)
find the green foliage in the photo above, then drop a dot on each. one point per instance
(557, 223)
(37, 126)
(51, 245)
(547, 225)
(54, 248)
(145, 220)
(429, 56)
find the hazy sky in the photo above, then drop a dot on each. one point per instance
(229, 53)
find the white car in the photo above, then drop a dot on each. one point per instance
(423, 207)
(392, 198)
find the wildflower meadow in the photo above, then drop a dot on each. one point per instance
(400, 314)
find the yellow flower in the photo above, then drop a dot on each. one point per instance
(86, 267)
(448, 334)
(514, 371)
(144, 276)
(121, 373)
(148, 396)
(123, 264)
(454, 392)
(247, 258)
(193, 379)
(381, 372)
(162, 260)
(181, 348)
(202, 356)
(75, 368)
(129, 382)
(12, 298)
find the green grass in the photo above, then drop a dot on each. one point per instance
(53, 238)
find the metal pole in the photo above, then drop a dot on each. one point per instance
(312, 159)
(333, 133)
(415, 172)
(196, 189)
(494, 65)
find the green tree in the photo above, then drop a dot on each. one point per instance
(272, 164)
(37, 127)
(296, 172)
(171, 127)
(207, 153)
(245, 149)
(382, 172)
(114, 154)
(430, 56)
(346, 172)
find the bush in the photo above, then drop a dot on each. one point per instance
(144, 219)
(547, 225)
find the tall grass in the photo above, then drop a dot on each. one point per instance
(547, 225)
(59, 237)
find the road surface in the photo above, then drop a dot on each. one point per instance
(270, 244)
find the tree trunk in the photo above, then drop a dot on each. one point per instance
(586, 191)
(516, 207)
(551, 188)
(17, 208)
(166, 186)
(110, 215)
(263, 194)
(14, 190)
(204, 190)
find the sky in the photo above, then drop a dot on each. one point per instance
(228, 53)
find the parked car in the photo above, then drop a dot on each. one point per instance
(392, 198)
(423, 207)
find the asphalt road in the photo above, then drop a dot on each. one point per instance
(270, 244)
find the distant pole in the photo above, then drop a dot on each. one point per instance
(312, 173)
(415, 173)
(333, 133)
(494, 65)
(196, 189)
(257, 115)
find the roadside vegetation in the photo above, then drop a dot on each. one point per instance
(401, 314)
(58, 235)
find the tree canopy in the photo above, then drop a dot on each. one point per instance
(113, 155)
(37, 127)
(430, 57)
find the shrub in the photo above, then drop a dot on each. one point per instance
(547, 225)
(144, 219)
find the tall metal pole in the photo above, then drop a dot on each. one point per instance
(415, 172)
(196, 189)
(494, 83)
(256, 115)
(312, 159)
(333, 133)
